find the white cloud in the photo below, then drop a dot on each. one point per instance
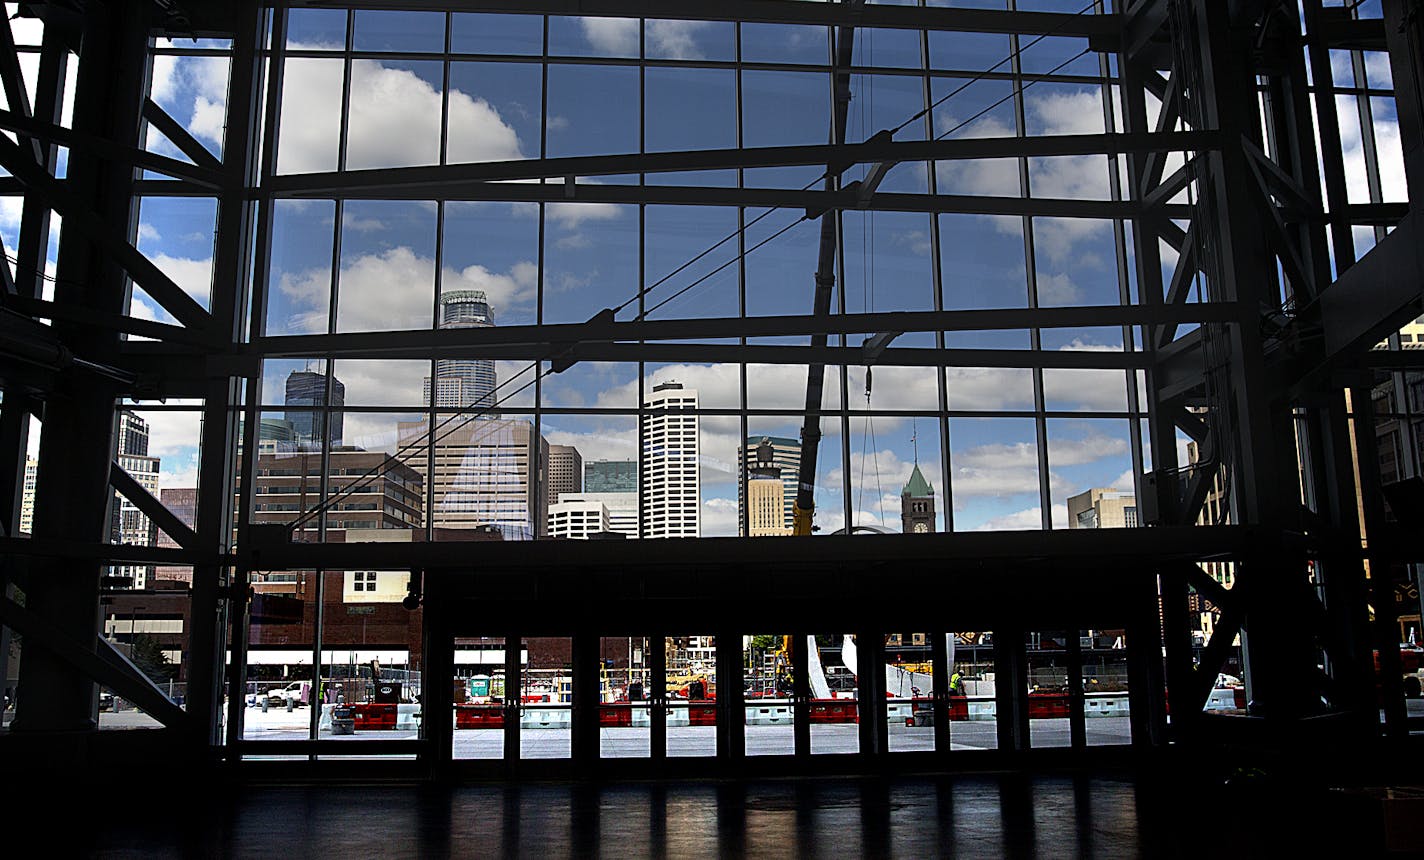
(1085, 389)
(395, 290)
(1089, 449)
(395, 120)
(1029, 518)
(1393, 185)
(1057, 289)
(1078, 112)
(612, 36)
(718, 517)
(674, 39)
(178, 473)
(351, 221)
(194, 276)
(173, 435)
(209, 119)
(618, 37)
(571, 215)
(205, 80)
(1005, 469)
(1071, 177)
(148, 233)
(11, 208)
(989, 388)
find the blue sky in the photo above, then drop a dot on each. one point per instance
(387, 272)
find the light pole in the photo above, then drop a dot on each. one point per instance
(133, 631)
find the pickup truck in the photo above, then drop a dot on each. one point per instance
(279, 696)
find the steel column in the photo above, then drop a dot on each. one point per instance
(72, 502)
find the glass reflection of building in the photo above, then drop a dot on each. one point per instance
(482, 474)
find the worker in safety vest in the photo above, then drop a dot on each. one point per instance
(956, 684)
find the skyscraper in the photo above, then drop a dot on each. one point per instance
(27, 496)
(765, 494)
(565, 472)
(127, 524)
(671, 485)
(306, 391)
(464, 382)
(786, 454)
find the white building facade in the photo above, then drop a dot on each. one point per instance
(668, 432)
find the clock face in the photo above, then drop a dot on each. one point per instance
(921, 528)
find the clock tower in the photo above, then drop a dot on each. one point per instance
(917, 504)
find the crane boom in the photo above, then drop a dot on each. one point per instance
(825, 287)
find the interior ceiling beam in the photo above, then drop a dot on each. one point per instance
(13, 547)
(101, 662)
(159, 365)
(443, 342)
(768, 198)
(210, 179)
(1375, 296)
(963, 552)
(55, 194)
(771, 12)
(155, 510)
(880, 148)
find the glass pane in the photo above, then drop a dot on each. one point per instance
(399, 31)
(311, 115)
(1091, 465)
(624, 713)
(909, 683)
(148, 628)
(691, 693)
(670, 126)
(480, 695)
(590, 259)
(479, 33)
(370, 683)
(280, 637)
(316, 29)
(596, 495)
(387, 266)
(483, 485)
(592, 110)
(1048, 690)
(972, 716)
(766, 662)
(546, 697)
(299, 282)
(494, 112)
(994, 474)
(834, 714)
(395, 114)
(1105, 703)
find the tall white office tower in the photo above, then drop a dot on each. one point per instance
(668, 431)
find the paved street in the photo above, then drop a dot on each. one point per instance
(634, 742)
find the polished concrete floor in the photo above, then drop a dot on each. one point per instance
(1056, 816)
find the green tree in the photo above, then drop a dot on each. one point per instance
(150, 659)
